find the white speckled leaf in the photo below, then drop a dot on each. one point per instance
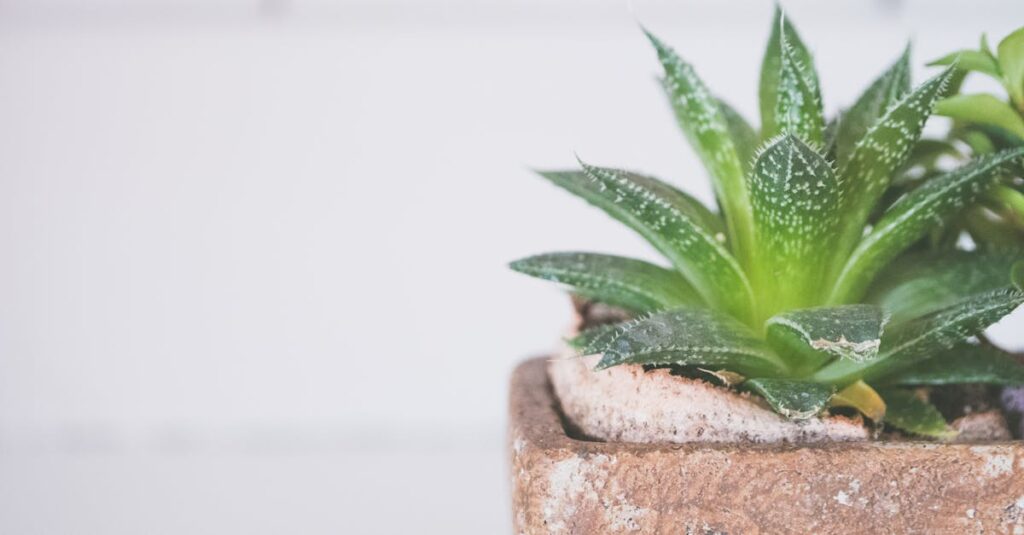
(914, 215)
(592, 339)
(702, 120)
(882, 94)
(689, 336)
(795, 198)
(911, 342)
(798, 98)
(816, 335)
(625, 282)
(907, 412)
(797, 400)
(789, 92)
(923, 283)
(884, 148)
(639, 202)
(967, 363)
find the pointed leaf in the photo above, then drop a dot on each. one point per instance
(593, 338)
(968, 363)
(816, 335)
(743, 136)
(913, 215)
(625, 282)
(862, 397)
(794, 197)
(982, 109)
(923, 283)
(882, 94)
(907, 344)
(1010, 52)
(867, 172)
(790, 96)
(689, 336)
(970, 60)
(702, 120)
(639, 202)
(797, 400)
(798, 105)
(908, 412)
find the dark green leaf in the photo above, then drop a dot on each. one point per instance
(743, 136)
(968, 363)
(816, 335)
(689, 336)
(794, 196)
(908, 412)
(790, 96)
(592, 339)
(912, 216)
(706, 127)
(625, 282)
(982, 109)
(882, 94)
(884, 148)
(639, 202)
(914, 341)
(797, 400)
(923, 283)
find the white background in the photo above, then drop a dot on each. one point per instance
(253, 253)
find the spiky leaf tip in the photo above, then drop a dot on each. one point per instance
(632, 284)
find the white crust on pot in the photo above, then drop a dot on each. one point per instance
(626, 404)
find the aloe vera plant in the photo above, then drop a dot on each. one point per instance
(808, 283)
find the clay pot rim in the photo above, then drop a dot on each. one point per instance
(537, 421)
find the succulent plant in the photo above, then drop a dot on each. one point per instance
(806, 286)
(983, 123)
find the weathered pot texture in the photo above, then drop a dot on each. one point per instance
(788, 483)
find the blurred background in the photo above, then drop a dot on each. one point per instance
(253, 252)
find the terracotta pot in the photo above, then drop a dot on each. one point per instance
(562, 484)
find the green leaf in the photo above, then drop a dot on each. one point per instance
(882, 94)
(794, 196)
(867, 172)
(743, 136)
(797, 400)
(790, 95)
(968, 363)
(639, 202)
(701, 117)
(970, 60)
(909, 343)
(983, 109)
(923, 283)
(592, 339)
(816, 335)
(625, 282)
(913, 216)
(908, 412)
(689, 336)
(1010, 52)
